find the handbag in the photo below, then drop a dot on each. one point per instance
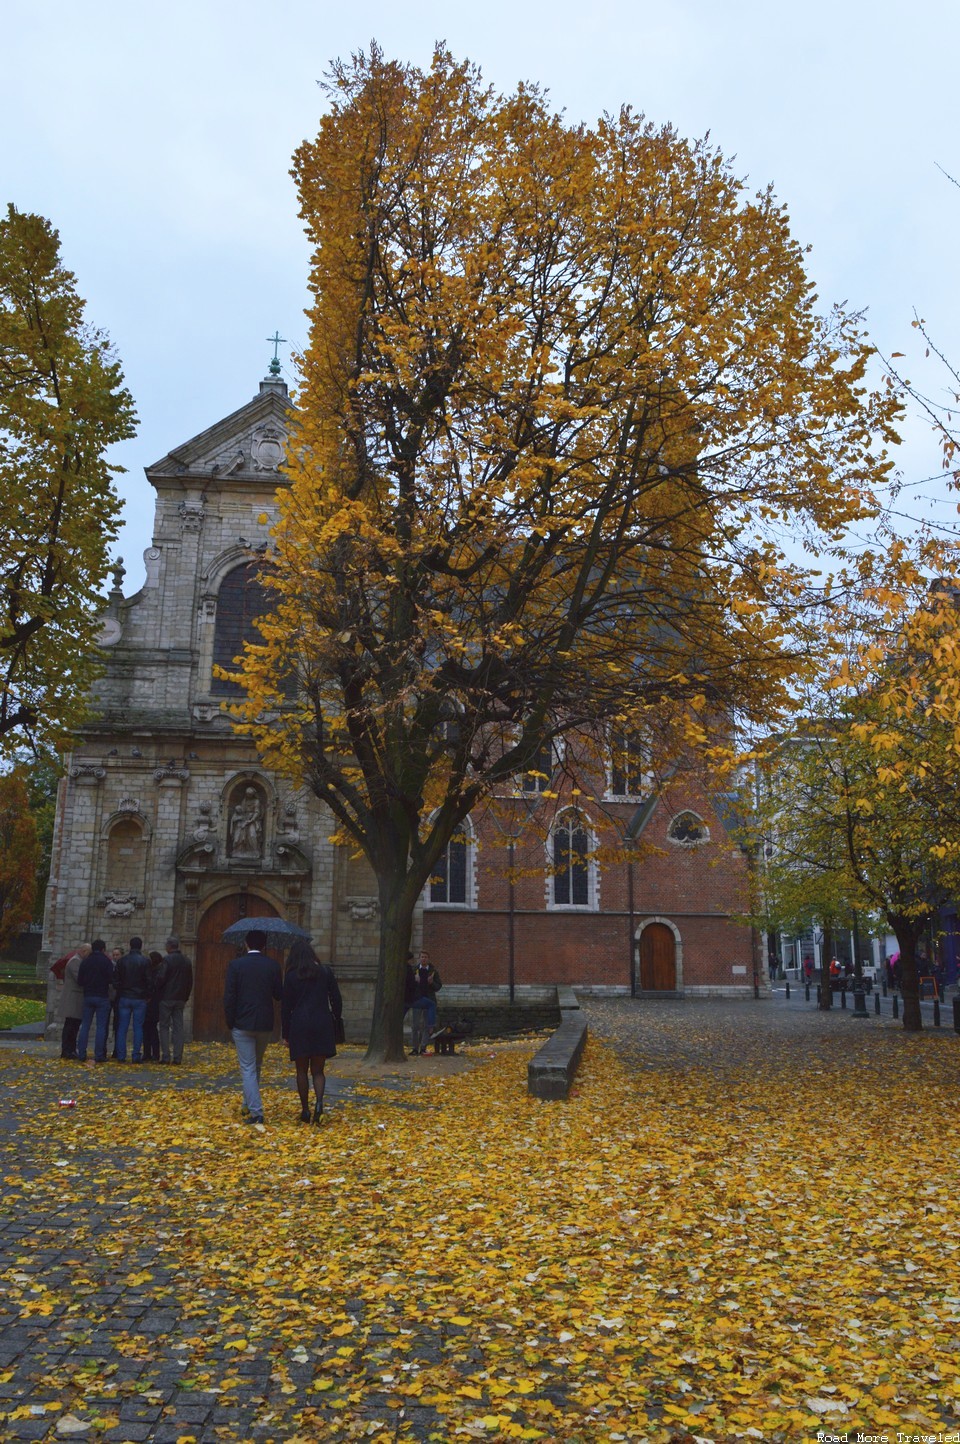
(339, 1032)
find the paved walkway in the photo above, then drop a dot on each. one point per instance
(730, 1034)
(98, 1319)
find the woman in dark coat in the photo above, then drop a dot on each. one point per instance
(151, 1029)
(311, 1001)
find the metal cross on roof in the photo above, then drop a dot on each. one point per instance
(277, 341)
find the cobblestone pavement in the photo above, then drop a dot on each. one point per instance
(93, 1304)
(731, 1034)
(90, 1290)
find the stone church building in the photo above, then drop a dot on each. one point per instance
(166, 822)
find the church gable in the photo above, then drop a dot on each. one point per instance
(248, 445)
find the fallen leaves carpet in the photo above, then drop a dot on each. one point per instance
(719, 1236)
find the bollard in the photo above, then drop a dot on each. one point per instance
(896, 1006)
(788, 987)
(859, 1003)
(884, 987)
(956, 1014)
(843, 997)
(936, 1012)
(819, 1000)
(876, 1004)
(806, 994)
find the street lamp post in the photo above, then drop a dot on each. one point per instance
(859, 996)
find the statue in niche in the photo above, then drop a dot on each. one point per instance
(246, 826)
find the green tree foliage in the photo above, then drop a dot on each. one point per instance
(62, 404)
(19, 854)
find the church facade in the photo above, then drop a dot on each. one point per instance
(168, 824)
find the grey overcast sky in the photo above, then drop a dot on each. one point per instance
(157, 137)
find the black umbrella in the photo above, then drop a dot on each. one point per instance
(278, 930)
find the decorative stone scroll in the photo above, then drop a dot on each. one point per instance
(87, 772)
(170, 772)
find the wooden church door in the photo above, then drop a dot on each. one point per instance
(658, 959)
(213, 955)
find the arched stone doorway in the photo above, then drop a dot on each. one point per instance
(659, 972)
(213, 955)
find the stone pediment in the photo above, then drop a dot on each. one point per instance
(246, 446)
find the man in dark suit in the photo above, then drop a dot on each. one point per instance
(254, 983)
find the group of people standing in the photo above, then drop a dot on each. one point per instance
(134, 991)
(146, 992)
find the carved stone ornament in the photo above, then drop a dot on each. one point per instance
(110, 632)
(191, 515)
(204, 823)
(87, 772)
(151, 561)
(362, 910)
(120, 904)
(171, 773)
(129, 804)
(205, 711)
(267, 449)
(287, 827)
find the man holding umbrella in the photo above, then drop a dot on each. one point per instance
(254, 983)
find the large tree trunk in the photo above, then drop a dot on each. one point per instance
(907, 932)
(398, 899)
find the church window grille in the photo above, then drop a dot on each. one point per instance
(627, 773)
(241, 600)
(571, 863)
(449, 881)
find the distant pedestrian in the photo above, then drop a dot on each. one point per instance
(71, 1001)
(95, 978)
(897, 972)
(426, 984)
(151, 1031)
(254, 983)
(310, 1009)
(174, 986)
(808, 969)
(133, 992)
(940, 977)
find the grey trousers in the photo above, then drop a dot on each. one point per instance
(250, 1050)
(171, 1021)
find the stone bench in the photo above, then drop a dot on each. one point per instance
(550, 1072)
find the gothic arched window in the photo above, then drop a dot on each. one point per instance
(450, 882)
(571, 862)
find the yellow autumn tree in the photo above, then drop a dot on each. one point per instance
(857, 808)
(565, 394)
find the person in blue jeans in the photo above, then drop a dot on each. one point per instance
(425, 984)
(133, 978)
(253, 986)
(95, 978)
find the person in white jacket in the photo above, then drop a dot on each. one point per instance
(71, 1002)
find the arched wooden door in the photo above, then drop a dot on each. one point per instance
(213, 955)
(658, 959)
